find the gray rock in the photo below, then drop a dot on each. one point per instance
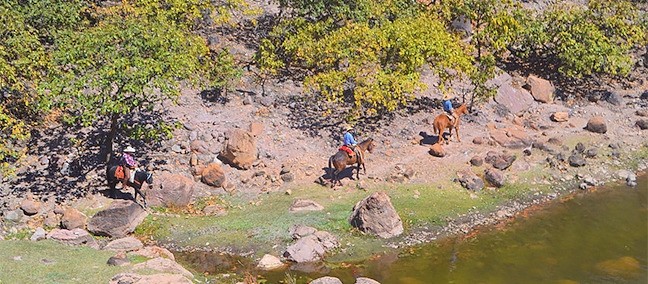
(365, 280)
(298, 231)
(591, 153)
(476, 161)
(470, 180)
(39, 234)
(614, 98)
(494, 177)
(14, 216)
(642, 124)
(597, 125)
(72, 237)
(124, 244)
(376, 215)
(300, 205)
(326, 280)
(576, 160)
(117, 221)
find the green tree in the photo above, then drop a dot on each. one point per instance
(123, 66)
(582, 41)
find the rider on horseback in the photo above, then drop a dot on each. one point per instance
(349, 141)
(447, 107)
(129, 165)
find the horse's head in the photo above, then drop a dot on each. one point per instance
(462, 109)
(371, 145)
(149, 179)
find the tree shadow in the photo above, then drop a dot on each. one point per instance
(214, 96)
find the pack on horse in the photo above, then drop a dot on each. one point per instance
(338, 162)
(442, 121)
(115, 174)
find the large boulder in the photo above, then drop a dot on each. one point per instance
(516, 100)
(596, 124)
(365, 280)
(240, 149)
(117, 221)
(171, 190)
(541, 89)
(213, 175)
(73, 219)
(642, 124)
(376, 215)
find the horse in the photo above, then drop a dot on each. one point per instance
(140, 178)
(441, 122)
(341, 159)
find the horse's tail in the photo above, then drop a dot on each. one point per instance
(330, 162)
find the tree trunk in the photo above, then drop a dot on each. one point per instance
(110, 137)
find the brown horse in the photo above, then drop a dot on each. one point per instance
(441, 122)
(341, 159)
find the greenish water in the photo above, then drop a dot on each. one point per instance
(599, 237)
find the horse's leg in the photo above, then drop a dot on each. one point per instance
(138, 191)
(457, 132)
(449, 136)
(358, 172)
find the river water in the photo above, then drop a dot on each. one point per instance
(599, 237)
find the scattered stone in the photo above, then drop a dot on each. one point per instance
(72, 237)
(642, 112)
(30, 206)
(365, 280)
(288, 177)
(541, 89)
(555, 141)
(580, 148)
(214, 210)
(597, 125)
(476, 161)
(326, 280)
(117, 221)
(119, 259)
(437, 150)
(642, 124)
(213, 175)
(576, 160)
(494, 177)
(631, 180)
(163, 265)
(52, 220)
(527, 152)
(269, 262)
(73, 219)
(14, 216)
(310, 248)
(375, 214)
(614, 98)
(256, 128)
(124, 244)
(500, 161)
(478, 140)
(39, 234)
(470, 180)
(582, 186)
(298, 231)
(154, 252)
(591, 153)
(300, 205)
(163, 278)
(560, 116)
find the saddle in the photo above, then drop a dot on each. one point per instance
(119, 173)
(347, 149)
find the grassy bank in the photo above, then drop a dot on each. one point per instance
(23, 261)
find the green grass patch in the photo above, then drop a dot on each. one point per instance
(52, 262)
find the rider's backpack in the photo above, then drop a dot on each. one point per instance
(119, 173)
